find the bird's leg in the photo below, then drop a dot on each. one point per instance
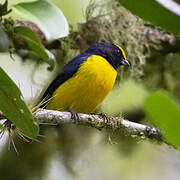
(74, 115)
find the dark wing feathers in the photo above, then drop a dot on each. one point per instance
(67, 72)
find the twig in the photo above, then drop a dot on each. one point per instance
(43, 116)
(99, 122)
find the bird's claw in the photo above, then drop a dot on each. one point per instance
(74, 115)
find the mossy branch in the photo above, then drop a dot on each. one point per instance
(100, 122)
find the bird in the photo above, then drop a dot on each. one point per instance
(85, 81)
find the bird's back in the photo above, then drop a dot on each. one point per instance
(67, 72)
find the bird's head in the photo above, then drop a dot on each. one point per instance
(114, 54)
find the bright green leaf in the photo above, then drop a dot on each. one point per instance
(155, 13)
(47, 16)
(34, 43)
(14, 108)
(164, 111)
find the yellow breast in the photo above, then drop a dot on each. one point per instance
(85, 91)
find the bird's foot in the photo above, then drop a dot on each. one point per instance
(74, 115)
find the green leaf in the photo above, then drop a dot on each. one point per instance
(47, 16)
(34, 44)
(4, 9)
(14, 108)
(153, 12)
(164, 111)
(4, 41)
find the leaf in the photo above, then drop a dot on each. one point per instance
(34, 44)
(47, 16)
(4, 41)
(164, 111)
(153, 12)
(4, 9)
(14, 108)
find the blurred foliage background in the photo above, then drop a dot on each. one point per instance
(71, 152)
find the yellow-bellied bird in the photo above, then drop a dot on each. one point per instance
(86, 80)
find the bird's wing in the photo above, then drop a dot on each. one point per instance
(67, 72)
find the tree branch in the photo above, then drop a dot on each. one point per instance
(99, 122)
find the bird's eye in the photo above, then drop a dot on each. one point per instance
(118, 52)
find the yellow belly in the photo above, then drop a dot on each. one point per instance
(85, 91)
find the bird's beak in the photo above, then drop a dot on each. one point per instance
(125, 62)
